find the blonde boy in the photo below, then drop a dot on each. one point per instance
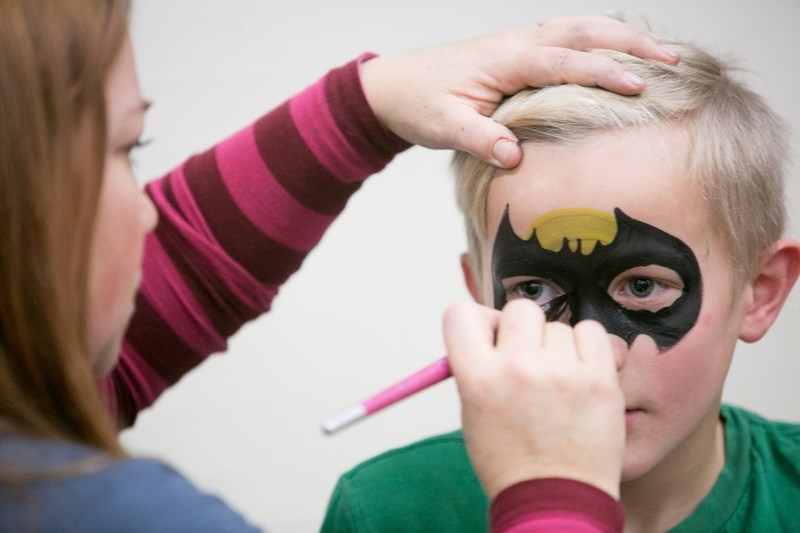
(661, 216)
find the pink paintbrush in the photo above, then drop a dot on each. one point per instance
(428, 376)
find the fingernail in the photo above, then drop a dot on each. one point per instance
(672, 54)
(634, 79)
(506, 152)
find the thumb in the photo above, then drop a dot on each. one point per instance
(488, 140)
(505, 153)
(469, 332)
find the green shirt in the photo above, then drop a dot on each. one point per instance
(430, 486)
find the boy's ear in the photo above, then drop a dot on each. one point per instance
(471, 277)
(770, 287)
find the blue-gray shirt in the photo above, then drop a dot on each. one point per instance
(122, 495)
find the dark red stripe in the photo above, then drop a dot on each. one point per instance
(294, 166)
(555, 495)
(224, 310)
(268, 261)
(158, 345)
(354, 116)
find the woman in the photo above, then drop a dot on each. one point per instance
(76, 228)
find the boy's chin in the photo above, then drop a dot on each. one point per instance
(636, 464)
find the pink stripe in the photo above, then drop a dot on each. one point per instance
(188, 207)
(547, 522)
(175, 303)
(319, 131)
(264, 202)
(198, 235)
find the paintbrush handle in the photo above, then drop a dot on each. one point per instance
(422, 379)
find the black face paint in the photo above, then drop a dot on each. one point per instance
(584, 267)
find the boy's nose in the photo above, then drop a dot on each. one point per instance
(585, 309)
(620, 350)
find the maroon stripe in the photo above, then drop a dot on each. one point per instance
(118, 397)
(158, 345)
(166, 189)
(294, 166)
(354, 117)
(550, 495)
(267, 260)
(225, 312)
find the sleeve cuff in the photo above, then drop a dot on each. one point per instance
(355, 117)
(555, 499)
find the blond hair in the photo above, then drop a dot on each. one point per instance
(736, 145)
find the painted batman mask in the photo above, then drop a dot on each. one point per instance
(583, 251)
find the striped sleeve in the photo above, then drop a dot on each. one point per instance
(235, 222)
(547, 505)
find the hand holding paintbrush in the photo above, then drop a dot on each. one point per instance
(420, 380)
(539, 399)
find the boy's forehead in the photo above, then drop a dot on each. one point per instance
(635, 173)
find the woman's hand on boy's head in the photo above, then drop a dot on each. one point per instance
(539, 399)
(441, 97)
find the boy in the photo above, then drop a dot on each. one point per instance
(661, 217)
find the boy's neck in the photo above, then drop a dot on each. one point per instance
(669, 493)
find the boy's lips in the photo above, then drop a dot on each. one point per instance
(631, 413)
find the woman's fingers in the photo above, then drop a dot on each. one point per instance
(441, 97)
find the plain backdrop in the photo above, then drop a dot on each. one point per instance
(365, 309)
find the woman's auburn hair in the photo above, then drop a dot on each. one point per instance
(55, 57)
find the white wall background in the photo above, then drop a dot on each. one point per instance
(366, 307)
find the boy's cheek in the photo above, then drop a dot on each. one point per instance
(696, 367)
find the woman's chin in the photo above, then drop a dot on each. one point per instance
(105, 359)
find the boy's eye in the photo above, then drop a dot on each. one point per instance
(649, 288)
(530, 289)
(641, 287)
(539, 290)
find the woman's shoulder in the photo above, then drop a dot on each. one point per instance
(80, 488)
